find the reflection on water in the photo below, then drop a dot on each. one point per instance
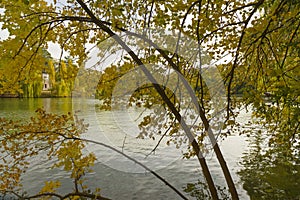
(117, 177)
(270, 173)
(23, 108)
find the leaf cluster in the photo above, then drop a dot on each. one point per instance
(50, 135)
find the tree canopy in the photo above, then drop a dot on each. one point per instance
(253, 45)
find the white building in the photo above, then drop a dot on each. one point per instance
(46, 81)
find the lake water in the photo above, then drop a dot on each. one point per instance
(118, 177)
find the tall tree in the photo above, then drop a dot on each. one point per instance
(258, 38)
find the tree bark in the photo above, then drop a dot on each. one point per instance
(161, 92)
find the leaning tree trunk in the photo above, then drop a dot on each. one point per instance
(161, 92)
(204, 119)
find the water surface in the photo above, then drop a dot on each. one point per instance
(118, 177)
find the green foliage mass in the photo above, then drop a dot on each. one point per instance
(259, 39)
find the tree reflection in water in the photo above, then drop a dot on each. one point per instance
(270, 171)
(200, 191)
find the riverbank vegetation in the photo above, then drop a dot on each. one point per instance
(189, 57)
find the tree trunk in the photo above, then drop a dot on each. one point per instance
(165, 98)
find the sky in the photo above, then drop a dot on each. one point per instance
(3, 33)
